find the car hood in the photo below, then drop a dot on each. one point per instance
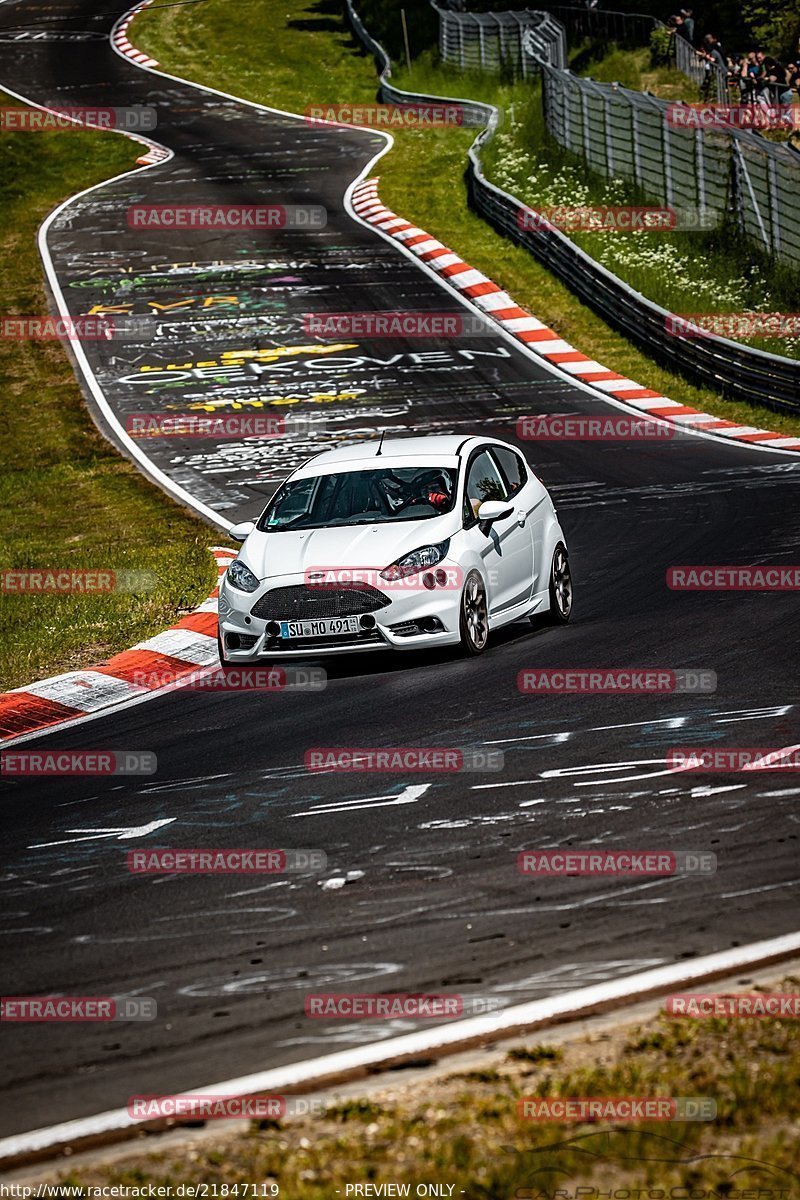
(293, 552)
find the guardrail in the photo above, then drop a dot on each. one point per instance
(475, 113)
(738, 371)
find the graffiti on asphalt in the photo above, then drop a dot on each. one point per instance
(247, 366)
(134, 277)
(341, 397)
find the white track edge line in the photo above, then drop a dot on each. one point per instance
(567, 1004)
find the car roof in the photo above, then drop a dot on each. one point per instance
(434, 450)
(438, 446)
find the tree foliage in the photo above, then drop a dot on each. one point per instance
(774, 25)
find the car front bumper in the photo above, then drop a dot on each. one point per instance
(398, 624)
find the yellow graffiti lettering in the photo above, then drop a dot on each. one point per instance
(276, 401)
(211, 300)
(271, 353)
(175, 304)
(233, 358)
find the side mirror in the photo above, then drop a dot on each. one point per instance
(491, 511)
(242, 531)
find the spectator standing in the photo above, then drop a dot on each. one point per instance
(749, 77)
(712, 47)
(688, 24)
(679, 26)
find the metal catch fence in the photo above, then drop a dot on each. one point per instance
(659, 147)
(502, 42)
(496, 41)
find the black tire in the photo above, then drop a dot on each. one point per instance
(474, 616)
(561, 590)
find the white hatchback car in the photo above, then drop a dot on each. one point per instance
(415, 542)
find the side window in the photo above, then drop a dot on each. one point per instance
(484, 482)
(513, 469)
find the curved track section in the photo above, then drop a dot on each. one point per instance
(436, 902)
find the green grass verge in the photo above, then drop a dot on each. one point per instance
(70, 500)
(465, 1129)
(297, 52)
(634, 69)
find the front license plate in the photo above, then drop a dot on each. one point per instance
(330, 626)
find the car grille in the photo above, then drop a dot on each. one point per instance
(302, 603)
(367, 637)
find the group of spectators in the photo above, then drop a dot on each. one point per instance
(753, 77)
(761, 79)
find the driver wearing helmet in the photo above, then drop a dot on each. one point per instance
(433, 487)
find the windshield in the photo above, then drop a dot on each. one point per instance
(370, 497)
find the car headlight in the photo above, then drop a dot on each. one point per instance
(417, 560)
(241, 576)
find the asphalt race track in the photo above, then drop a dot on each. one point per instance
(438, 903)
